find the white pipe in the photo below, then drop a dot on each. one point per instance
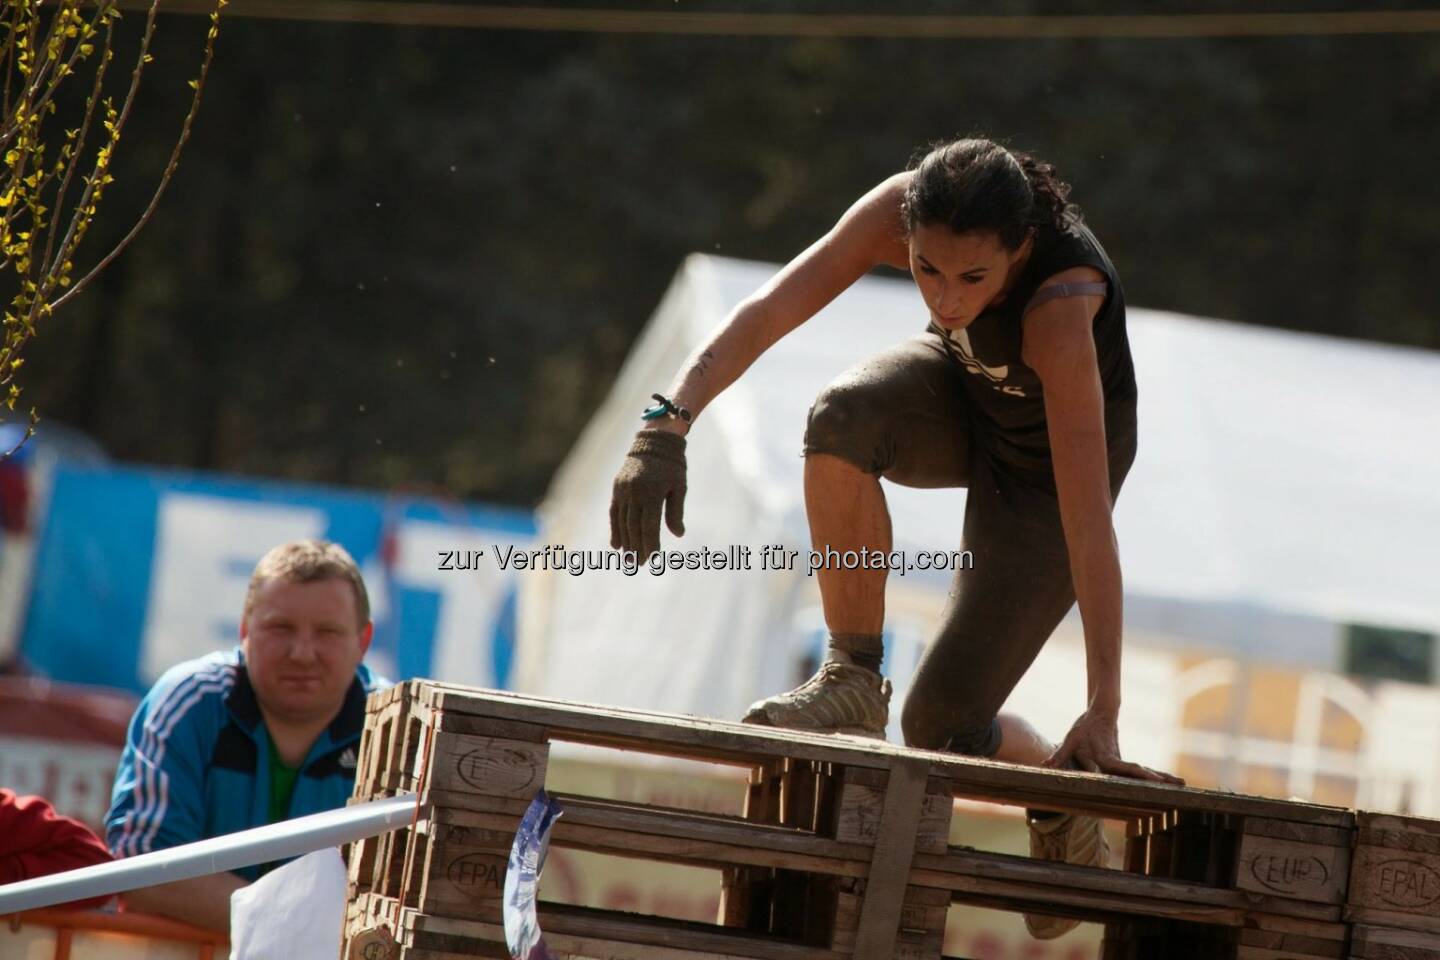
(278, 841)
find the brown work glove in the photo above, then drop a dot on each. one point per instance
(653, 474)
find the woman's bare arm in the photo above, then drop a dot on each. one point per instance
(867, 235)
(1060, 348)
(651, 481)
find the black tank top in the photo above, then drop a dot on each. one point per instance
(1006, 394)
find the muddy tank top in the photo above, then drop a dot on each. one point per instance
(1005, 394)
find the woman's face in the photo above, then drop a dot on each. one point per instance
(959, 274)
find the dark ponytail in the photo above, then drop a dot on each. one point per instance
(978, 185)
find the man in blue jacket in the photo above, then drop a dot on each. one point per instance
(250, 737)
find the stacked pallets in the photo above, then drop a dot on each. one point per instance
(841, 848)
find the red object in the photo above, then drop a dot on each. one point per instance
(14, 497)
(36, 841)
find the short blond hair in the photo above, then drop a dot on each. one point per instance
(308, 561)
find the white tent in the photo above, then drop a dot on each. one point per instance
(1286, 484)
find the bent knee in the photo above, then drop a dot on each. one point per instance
(846, 422)
(929, 730)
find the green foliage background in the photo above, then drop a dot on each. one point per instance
(417, 257)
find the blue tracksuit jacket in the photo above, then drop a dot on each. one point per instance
(196, 762)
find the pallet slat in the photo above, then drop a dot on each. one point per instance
(706, 739)
(1395, 880)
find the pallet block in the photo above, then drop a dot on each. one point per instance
(1396, 879)
(1394, 894)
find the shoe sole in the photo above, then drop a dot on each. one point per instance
(857, 732)
(1047, 932)
(865, 732)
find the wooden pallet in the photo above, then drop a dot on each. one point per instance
(840, 850)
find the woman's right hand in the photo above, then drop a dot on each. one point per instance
(652, 478)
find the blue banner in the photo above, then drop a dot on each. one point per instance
(138, 570)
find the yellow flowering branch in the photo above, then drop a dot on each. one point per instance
(43, 45)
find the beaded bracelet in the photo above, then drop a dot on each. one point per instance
(665, 407)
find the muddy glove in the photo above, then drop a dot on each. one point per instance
(653, 474)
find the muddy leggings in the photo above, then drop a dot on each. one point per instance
(903, 415)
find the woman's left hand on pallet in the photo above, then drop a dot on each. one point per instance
(1093, 744)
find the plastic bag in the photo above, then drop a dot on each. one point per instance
(522, 879)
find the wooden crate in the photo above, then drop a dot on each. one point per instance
(840, 847)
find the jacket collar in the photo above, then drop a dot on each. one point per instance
(241, 702)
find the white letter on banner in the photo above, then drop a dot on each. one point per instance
(469, 600)
(205, 550)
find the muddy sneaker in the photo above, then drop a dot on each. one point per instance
(1071, 838)
(839, 699)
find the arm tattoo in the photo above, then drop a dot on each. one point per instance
(703, 363)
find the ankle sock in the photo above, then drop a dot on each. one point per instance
(861, 649)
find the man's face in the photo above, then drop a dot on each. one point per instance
(302, 643)
(959, 273)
